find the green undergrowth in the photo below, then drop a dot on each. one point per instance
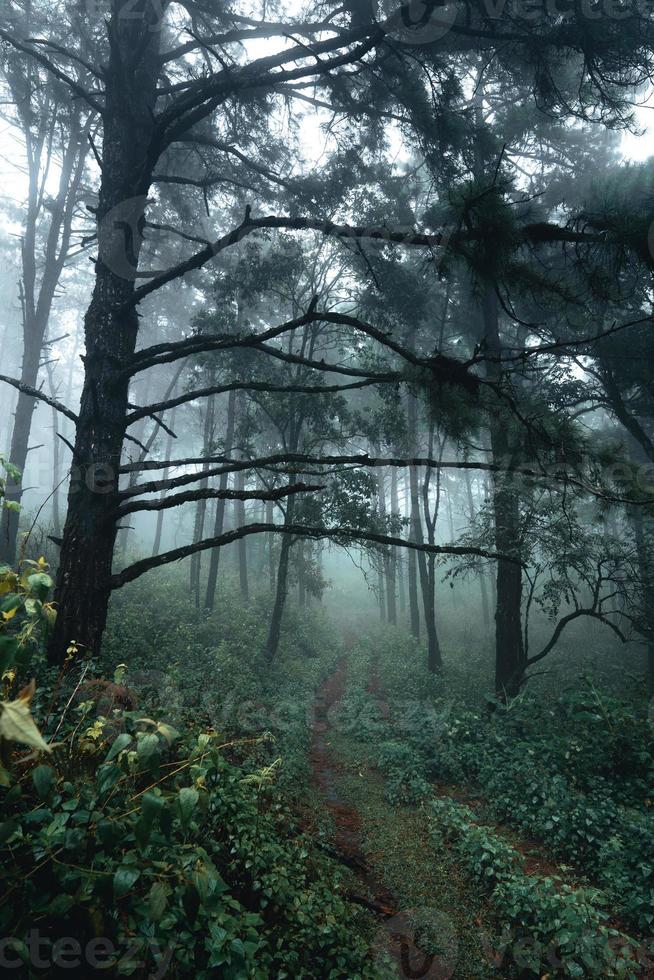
(573, 772)
(154, 848)
(161, 837)
(422, 878)
(208, 669)
(548, 925)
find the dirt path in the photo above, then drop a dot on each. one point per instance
(428, 924)
(326, 772)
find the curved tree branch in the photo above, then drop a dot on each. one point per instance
(338, 534)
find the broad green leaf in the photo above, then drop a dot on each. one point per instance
(157, 900)
(188, 799)
(151, 806)
(33, 607)
(124, 878)
(12, 602)
(147, 748)
(120, 742)
(43, 778)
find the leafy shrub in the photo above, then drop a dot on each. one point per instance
(25, 615)
(551, 924)
(161, 846)
(405, 781)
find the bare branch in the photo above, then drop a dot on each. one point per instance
(210, 493)
(340, 535)
(262, 386)
(36, 393)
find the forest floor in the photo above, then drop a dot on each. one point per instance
(430, 922)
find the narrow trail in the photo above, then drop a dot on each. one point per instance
(346, 819)
(384, 846)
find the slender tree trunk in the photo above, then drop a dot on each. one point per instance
(412, 566)
(138, 432)
(398, 562)
(381, 590)
(56, 479)
(37, 300)
(301, 573)
(219, 521)
(274, 631)
(271, 546)
(643, 527)
(239, 510)
(389, 559)
(19, 447)
(480, 574)
(201, 506)
(160, 513)
(427, 581)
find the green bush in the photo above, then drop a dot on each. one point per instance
(552, 927)
(160, 845)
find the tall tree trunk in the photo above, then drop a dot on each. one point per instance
(111, 327)
(56, 479)
(427, 580)
(301, 573)
(201, 506)
(510, 662)
(389, 558)
(412, 566)
(274, 631)
(239, 509)
(480, 573)
(160, 513)
(37, 299)
(644, 534)
(219, 521)
(271, 546)
(398, 563)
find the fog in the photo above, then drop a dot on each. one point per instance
(326, 489)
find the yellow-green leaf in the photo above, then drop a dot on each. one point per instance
(17, 724)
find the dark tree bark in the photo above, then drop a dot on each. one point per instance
(111, 326)
(510, 661)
